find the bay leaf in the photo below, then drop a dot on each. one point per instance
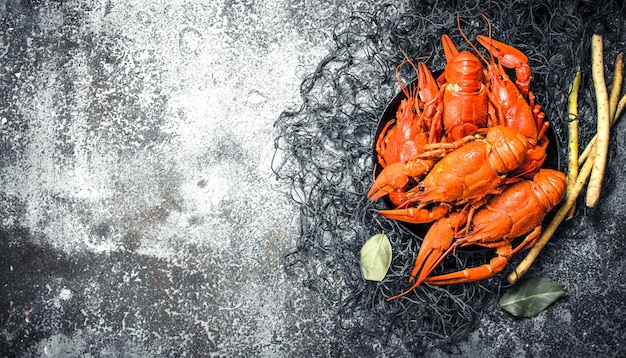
(375, 257)
(529, 298)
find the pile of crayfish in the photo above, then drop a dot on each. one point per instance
(465, 152)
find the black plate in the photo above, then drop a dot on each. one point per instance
(552, 153)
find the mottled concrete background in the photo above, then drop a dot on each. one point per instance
(138, 211)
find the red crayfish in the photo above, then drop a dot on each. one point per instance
(517, 211)
(465, 151)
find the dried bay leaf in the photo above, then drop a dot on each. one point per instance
(529, 298)
(376, 257)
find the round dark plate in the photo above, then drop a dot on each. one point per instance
(552, 153)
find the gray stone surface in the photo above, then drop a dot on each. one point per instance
(139, 215)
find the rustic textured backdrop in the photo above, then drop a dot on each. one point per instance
(140, 214)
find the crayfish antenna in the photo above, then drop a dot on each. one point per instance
(405, 292)
(488, 23)
(490, 37)
(408, 60)
(458, 23)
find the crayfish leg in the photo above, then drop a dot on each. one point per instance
(528, 241)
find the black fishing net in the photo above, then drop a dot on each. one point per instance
(324, 153)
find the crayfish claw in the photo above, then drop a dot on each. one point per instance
(510, 57)
(396, 176)
(435, 247)
(477, 273)
(418, 215)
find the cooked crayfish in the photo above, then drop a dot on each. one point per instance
(477, 172)
(414, 127)
(470, 172)
(403, 138)
(517, 211)
(469, 101)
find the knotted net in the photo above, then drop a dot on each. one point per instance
(324, 155)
